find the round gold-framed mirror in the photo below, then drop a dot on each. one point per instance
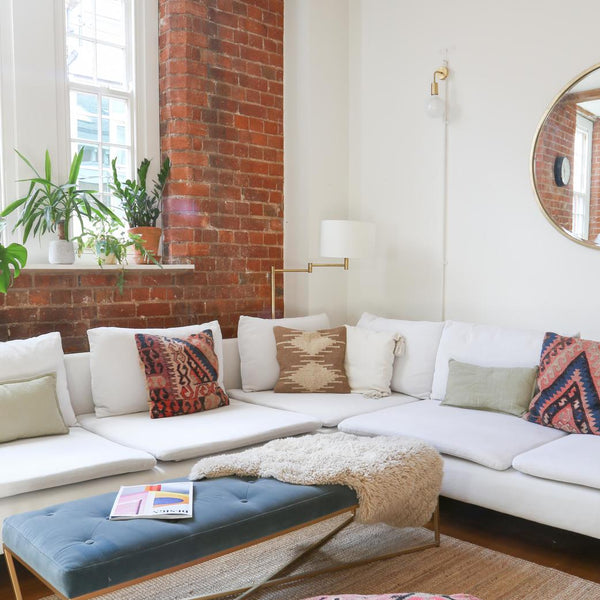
(565, 160)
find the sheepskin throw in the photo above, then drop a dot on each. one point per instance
(397, 479)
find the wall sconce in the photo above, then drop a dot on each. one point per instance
(435, 106)
(339, 239)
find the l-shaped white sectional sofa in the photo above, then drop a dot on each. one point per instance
(494, 460)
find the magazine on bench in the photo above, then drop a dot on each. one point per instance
(156, 501)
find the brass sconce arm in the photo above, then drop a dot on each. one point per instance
(309, 269)
(442, 73)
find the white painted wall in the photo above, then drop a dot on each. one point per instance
(316, 149)
(505, 263)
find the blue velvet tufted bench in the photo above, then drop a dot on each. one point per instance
(79, 553)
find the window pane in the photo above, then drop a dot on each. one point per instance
(81, 17)
(84, 116)
(111, 66)
(110, 21)
(82, 62)
(90, 168)
(115, 120)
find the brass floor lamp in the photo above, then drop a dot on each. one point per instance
(339, 239)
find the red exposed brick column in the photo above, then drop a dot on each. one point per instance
(221, 96)
(595, 187)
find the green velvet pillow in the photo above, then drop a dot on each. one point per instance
(29, 408)
(500, 389)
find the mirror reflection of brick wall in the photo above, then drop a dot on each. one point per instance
(557, 139)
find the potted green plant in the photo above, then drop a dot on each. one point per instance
(52, 207)
(110, 244)
(12, 259)
(142, 206)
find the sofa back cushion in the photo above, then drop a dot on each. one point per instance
(258, 352)
(485, 346)
(20, 359)
(413, 369)
(118, 381)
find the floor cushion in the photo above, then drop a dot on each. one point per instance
(330, 409)
(187, 436)
(77, 456)
(572, 459)
(490, 439)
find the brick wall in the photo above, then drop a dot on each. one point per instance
(221, 112)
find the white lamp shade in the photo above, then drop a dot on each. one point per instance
(347, 239)
(435, 107)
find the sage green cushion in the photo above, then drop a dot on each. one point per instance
(29, 408)
(500, 389)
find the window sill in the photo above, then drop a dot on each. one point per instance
(96, 267)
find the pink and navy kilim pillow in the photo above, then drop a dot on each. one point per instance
(569, 384)
(181, 373)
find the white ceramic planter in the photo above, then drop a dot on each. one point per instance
(61, 252)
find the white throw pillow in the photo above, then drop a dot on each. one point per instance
(258, 351)
(369, 360)
(413, 369)
(118, 381)
(484, 346)
(22, 359)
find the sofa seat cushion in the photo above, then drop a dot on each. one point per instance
(490, 439)
(329, 409)
(572, 459)
(51, 461)
(198, 434)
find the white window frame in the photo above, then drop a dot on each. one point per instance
(582, 189)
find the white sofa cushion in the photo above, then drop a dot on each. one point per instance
(22, 359)
(484, 346)
(198, 434)
(573, 459)
(329, 409)
(258, 351)
(45, 462)
(369, 360)
(118, 382)
(413, 370)
(490, 439)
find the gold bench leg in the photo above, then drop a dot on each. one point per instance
(13, 574)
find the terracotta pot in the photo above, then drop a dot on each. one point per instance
(150, 240)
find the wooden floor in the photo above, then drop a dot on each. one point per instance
(569, 552)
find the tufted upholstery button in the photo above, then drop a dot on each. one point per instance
(49, 514)
(244, 500)
(89, 541)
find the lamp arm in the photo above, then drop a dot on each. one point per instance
(309, 269)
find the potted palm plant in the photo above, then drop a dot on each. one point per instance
(52, 207)
(142, 206)
(12, 259)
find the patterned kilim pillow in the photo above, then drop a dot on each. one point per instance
(569, 383)
(181, 373)
(311, 361)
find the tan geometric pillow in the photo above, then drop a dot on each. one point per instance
(311, 361)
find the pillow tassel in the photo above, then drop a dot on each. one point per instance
(400, 347)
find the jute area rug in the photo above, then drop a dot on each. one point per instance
(454, 567)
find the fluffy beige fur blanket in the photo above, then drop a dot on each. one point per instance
(397, 479)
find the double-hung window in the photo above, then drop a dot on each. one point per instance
(100, 78)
